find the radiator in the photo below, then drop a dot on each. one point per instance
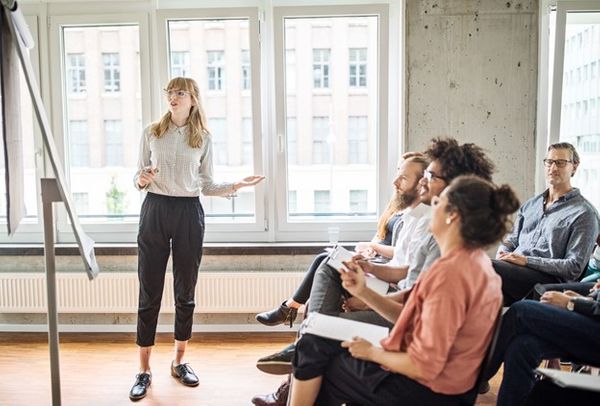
(216, 292)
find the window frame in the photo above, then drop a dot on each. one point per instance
(116, 232)
(268, 134)
(551, 53)
(387, 153)
(221, 232)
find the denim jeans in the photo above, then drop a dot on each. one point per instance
(531, 332)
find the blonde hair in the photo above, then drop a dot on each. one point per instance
(196, 121)
(393, 207)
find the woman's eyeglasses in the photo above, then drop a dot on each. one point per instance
(176, 93)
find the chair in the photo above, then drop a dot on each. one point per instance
(487, 359)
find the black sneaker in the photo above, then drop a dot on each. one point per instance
(140, 387)
(279, 363)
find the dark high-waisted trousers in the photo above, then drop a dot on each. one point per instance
(168, 223)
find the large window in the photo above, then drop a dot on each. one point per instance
(228, 102)
(329, 128)
(103, 132)
(574, 113)
(300, 96)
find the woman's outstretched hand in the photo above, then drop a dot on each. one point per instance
(248, 181)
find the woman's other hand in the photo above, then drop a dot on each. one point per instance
(248, 181)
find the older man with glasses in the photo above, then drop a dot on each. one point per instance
(553, 234)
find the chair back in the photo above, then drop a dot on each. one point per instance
(487, 359)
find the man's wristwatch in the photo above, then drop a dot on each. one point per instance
(571, 305)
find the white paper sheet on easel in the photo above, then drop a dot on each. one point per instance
(338, 328)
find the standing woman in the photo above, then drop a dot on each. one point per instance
(175, 165)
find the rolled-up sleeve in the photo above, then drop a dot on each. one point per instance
(579, 247)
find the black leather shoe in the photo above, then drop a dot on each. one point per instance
(185, 374)
(279, 363)
(282, 314)
(140, 387)
(277, 398)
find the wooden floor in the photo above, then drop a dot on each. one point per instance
(99, 369)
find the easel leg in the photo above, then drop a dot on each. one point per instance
(50, 194)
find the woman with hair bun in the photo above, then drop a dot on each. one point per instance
(435, 350)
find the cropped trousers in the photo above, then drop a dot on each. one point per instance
(168, 224)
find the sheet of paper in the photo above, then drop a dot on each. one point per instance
(566, 379)
(377, 285)
(84, 242)
(341, 329)
(337, 255)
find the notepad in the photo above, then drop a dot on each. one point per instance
(571, 380)
(338, 328)
(338, 254)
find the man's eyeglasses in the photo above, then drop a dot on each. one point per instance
(176, 93)
(430, 176)
(560, 163)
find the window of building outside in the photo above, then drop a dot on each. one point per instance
(579, 118)
(75, 73)
(358, 67)
(331, 137)
(105, 178)
(180, 64)
(322, 200)
(358, 200)
(245, 69)
(358, 140)
(321, 68)
(292, 201)
(79, 143)
(113, 150)
(112, 74)
(321, 143)
(218, 132)
(216, 69)
(247, 149)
